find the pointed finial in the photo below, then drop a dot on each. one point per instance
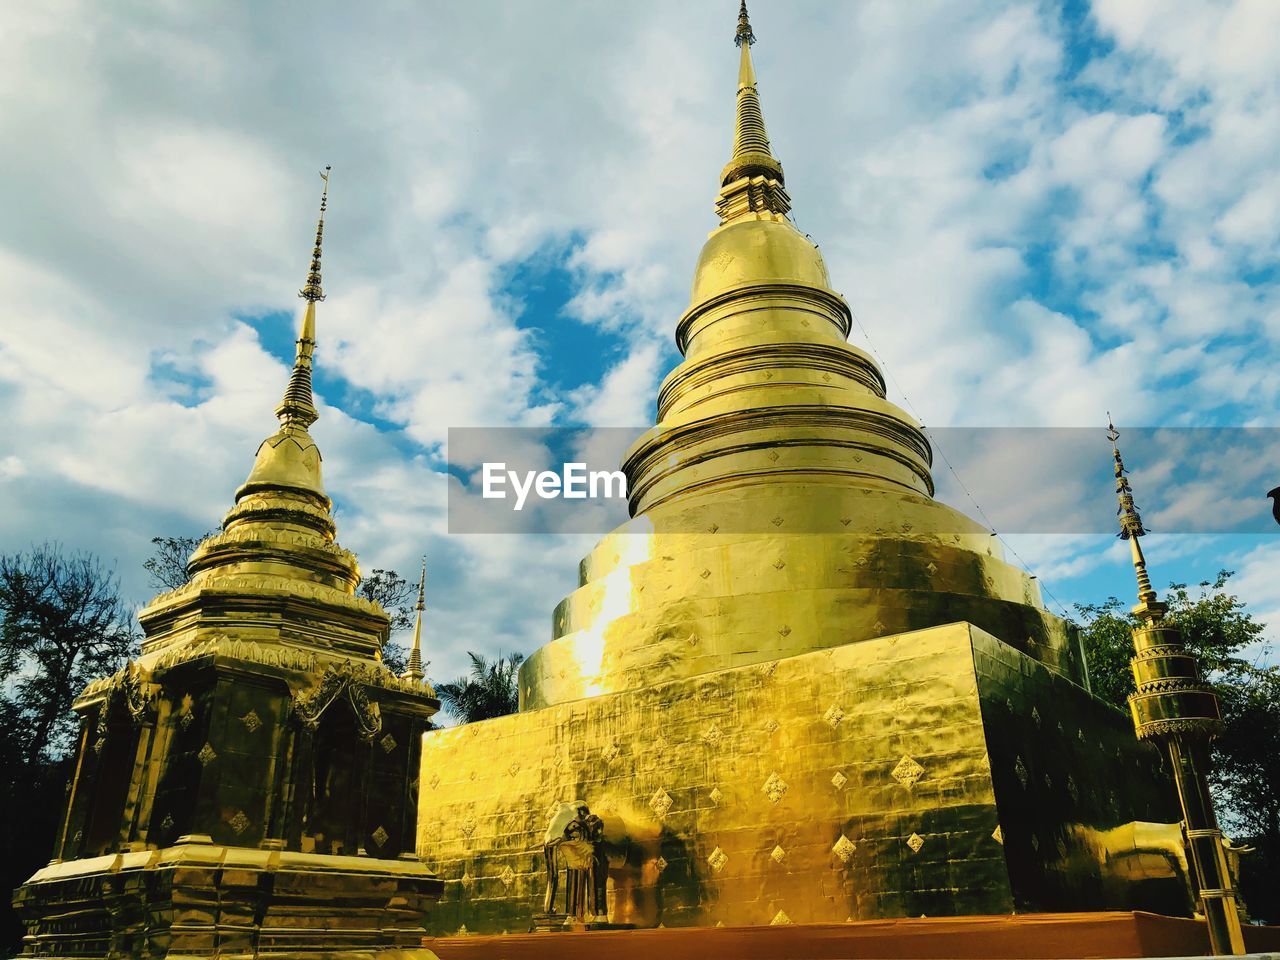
(1131, 529)
(1130, 520)
(744, 33)
(298, 406)
(313, 292)
(413, 670)
(752, 182)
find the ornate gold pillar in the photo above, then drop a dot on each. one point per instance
(1172, 707)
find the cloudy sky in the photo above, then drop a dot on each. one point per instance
(1039, 212)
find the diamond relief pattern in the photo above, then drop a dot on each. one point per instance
(1020, 769)
(716, 795)
(388, 743)
(771, 725)
(507, 876)
(611, 752)
(908, 771)
(660, 803)
(380, 836)
(833, 716)
(712, 734)
(1035, 715)
(843, 848)
(915, 842)
(775, 787)
(838, 780)
(239, 823)
(251, 721)
(778, 855)
(167, 823)
(718, 859)
(780, 919)
(469, 827)
(184, 721)
(660, 863)
(207, 755)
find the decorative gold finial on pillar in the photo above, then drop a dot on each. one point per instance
(744, 33)
(313, 292)
(1131, 529)
(414, 670)
(1174, 709)
(298, 406)
(752, 181)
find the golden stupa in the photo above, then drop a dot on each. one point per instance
(794, 686)
(247, 785)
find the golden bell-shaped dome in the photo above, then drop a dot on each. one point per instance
(287, 458)
(755, 250)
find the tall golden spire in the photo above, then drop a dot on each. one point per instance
(298, 406)
(278, 543)
(1131, 529)
(414, 670)
(296, 463)
(752, 181)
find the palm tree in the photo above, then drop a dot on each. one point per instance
(491, 690)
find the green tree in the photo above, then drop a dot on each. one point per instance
(397, 597)
(1246, 763)
(62, 623)
(491, 689)
(167, 565)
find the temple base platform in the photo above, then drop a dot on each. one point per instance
(200, 899)
(1037, 936)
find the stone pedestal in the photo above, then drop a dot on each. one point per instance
(200, 899)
